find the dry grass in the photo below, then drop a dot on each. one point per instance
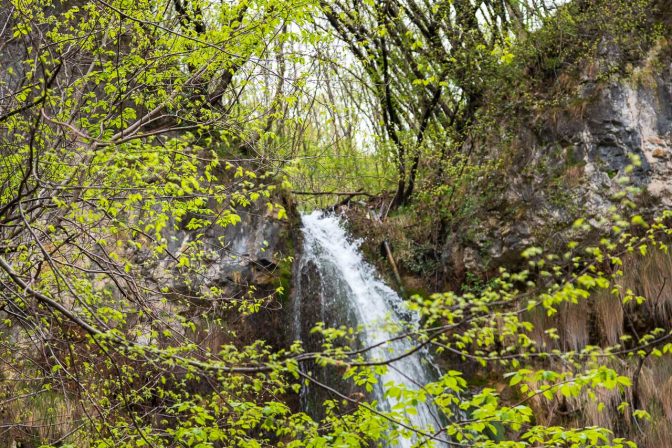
(655, 276)
(665, 397)
(572, 322)
(655, 393)
(603, 319)
(651, 278)
(42, 417)
(609, 313)
(608, 416)
(537, 317)
(656, 435)
(574, 176)
(574, 326)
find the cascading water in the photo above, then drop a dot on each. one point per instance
(336, 286)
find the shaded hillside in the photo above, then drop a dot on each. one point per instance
(586, 133)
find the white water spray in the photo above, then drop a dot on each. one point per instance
(351, 285)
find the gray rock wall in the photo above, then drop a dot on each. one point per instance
(569, 166)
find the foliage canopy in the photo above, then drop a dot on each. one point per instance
(132, 132)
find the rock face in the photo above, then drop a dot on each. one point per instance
(571, 164)
(246, 263)
(257, 259)
(628, 118)
(313, 301)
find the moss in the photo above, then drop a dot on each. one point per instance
(646, 73)
(284, 270)
(413, 289)
(283, 277)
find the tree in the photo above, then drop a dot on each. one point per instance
(124, 124)
(114, 120)
(429, 64)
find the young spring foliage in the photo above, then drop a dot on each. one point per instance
(130, 132)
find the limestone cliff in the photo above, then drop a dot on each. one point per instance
(568, 160)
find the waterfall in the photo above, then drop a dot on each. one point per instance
(337, 286)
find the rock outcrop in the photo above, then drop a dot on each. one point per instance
(570, 162)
